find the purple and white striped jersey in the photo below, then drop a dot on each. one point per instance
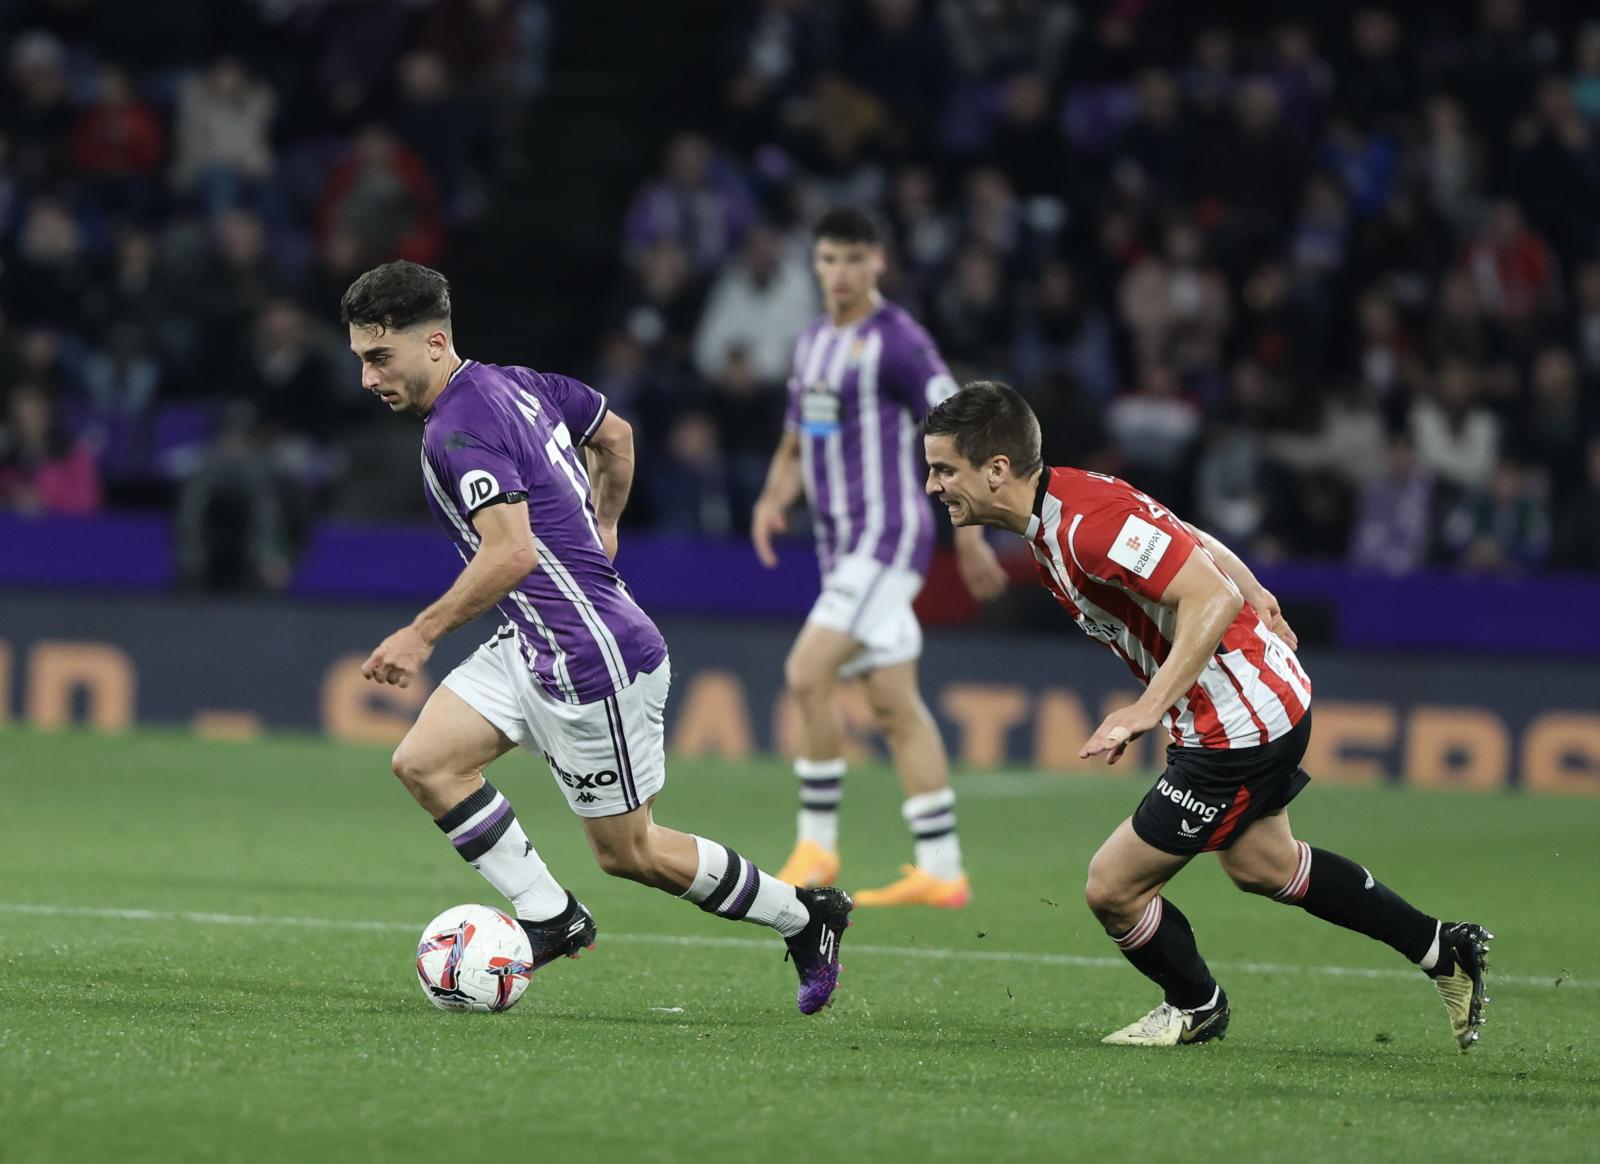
(498, 432)
(856, 397)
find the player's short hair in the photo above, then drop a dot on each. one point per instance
(989, 419)
(396, 296)
(848, 224)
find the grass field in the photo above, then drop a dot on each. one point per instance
(208, 956)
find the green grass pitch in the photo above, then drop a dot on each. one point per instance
(207, 955)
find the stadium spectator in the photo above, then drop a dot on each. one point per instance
(1586, 327)
(382, 194)
(1550, 428)
(1176, 305)
(1577, 539)
(445, 131)
(661, 304)
(1451, 162)
(221, 145)
(1514, 268)
(1154, 429)
(1504, 528)
(44, 469)
(119, 136)
(689, 483)
(1458, 440)
(37, 115)
(1061, 331)
(972, 312)
(1394, 529)
(757, 306)
(698, 202)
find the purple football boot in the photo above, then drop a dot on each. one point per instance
(815, 949)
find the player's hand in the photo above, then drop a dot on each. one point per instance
(767, 520)
(1119, 729)
(1267, 609)
(608, 539)
(399, 658)
(980, 570)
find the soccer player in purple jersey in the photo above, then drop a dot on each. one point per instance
(864, 376)
(578, 672)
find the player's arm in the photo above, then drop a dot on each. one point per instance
(1262, 600)
(782, 490)
(505, 557)
(1206, 602)
(980, 569)
(609, 455)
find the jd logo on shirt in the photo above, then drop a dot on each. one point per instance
(477, 487)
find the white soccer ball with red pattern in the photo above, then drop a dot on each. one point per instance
(473, 957)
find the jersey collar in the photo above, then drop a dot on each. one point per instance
(1037, 519)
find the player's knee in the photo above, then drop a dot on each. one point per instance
(805, 679)
(1107, 900)
(409, 770)
(896, 714)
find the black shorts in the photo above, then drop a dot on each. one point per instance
(1207, 797)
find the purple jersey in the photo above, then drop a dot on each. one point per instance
(504, 433)
(856, 397)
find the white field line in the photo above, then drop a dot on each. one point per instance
(926, 953)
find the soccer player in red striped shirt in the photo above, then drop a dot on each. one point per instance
(1216, 658)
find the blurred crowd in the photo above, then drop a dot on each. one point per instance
(186, 187)
(1326, 278)
(1329, 285)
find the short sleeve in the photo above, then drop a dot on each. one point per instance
(580, 407)
(1140, 548)
(476, 466)
(913, 371)
(791, 406)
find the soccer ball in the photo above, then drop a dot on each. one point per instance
(472, 957)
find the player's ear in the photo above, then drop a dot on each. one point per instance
(999, 469)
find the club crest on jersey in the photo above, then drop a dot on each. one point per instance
(1140, 546)
(477, 487)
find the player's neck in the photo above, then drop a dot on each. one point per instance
(451, 364)
(1013, 505)
(857, 311)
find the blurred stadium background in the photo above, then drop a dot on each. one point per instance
(1324, 277)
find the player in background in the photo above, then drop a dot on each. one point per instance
(578, 672)
(864, 374)
(1216, 657)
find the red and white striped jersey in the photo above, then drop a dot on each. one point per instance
(1107, 552)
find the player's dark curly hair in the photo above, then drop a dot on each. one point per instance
(396, 296)
(849, 224)
(989, 419)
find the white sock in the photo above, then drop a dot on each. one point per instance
(1431, 958)
(821, 789)
(932, 819)
(484, 830)
(729, 886)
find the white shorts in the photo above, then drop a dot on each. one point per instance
(609, 757)
(871, 602)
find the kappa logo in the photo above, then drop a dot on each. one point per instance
(1187, 801)
(586, 798)
(477, 487)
